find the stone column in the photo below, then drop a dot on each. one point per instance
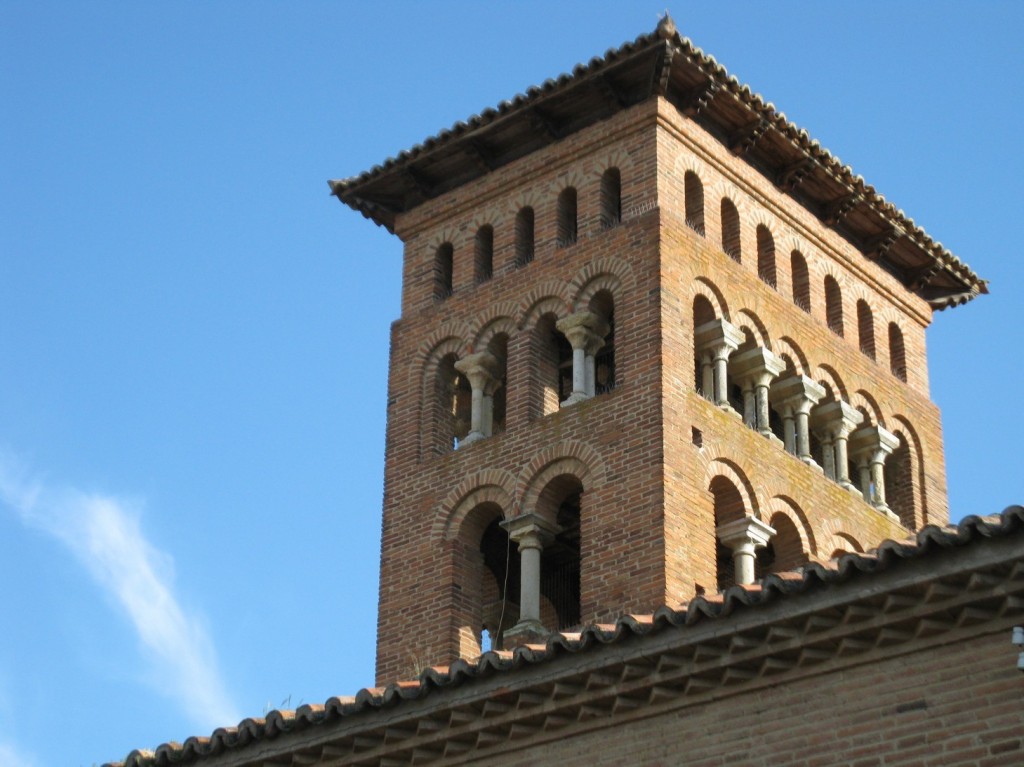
(718, 339)
(532, 533)
(585, 331)
(707, 376)
(795, 395)
(483, 372)
(744, 537)
(755, 369)
(834, 423)
(871, 445)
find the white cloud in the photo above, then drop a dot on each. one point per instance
(10, 756)
(104, 534)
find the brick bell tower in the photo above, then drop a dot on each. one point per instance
(654, 341)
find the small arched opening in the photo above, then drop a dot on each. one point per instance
(897, 352)
(560, 560)
(552, 367)
(731, 230)
(611, 198)
(865, 329)
(443, 274)
(766, 269)
(833, 305)
(483, 255)
(524, 236)
(801, 281)
(567, 217)
(693, 191)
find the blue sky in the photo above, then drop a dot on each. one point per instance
(194, 335)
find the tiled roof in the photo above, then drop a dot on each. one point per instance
(664, 63)
(786, 589)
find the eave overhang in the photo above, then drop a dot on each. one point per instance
(665, 64)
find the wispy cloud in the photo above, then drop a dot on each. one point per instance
(104, 534)
(11, 756)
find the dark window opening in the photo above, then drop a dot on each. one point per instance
(801, 282)
(484, 255)
(443, 264)
(524, 236)
(766, 256)
(693, 192)
(567, 221)
(560, 565)
(611, 198)
(731, 230)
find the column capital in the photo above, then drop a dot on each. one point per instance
(756, 365)
(530, 530)
(837, 418)
(796, 391)
(872, 443)
(716, 336)
(584, 330)
(482, 369)
(748, 531)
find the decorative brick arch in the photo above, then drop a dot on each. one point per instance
(828, 374)
(762, 217)
(687, 161)
(569, 457)
(860, 399)
(496, 318)
(574, 178)
(612, 274)
(454, 336)
(722, 189)
(834, 537)
(726, 468)
(488, 217)
(548, 296)
(487, 486)
(616, 158)
(745, 318)
(445, 234)
(789, 347)
(702, 286)
(783, 504)
(528, 198)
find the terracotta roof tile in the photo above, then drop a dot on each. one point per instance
(929, 541)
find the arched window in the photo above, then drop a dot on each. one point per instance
(731, 230)
(865, 328)
(524, 236)
(899, 483)
(703, 313)
(611, 198)
(443, 271)
(498, 348)
(693, 191)
(766, 256)
(483, 260)
(897, 353)
(552, 368)
(560, 560)
(728, 505)
(452, 406)
(567, 222)
(603, 305)
(488, 580)
(833, 305)
(801, 281)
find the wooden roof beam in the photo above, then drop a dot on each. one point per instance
(790, 176)
(544, 124)
(697, 99)
(662, 70)
(743, 140)
(836, 210)
(880, 245)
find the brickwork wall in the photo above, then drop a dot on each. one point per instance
(647, 518)
(611, 444)
(959, 704)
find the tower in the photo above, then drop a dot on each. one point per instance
(654, 341)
